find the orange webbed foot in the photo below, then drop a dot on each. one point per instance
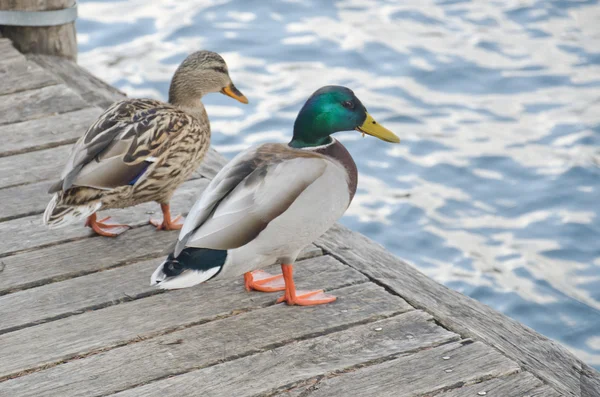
(168, 223)
(259, 280)
(104, 227)
(172, 224)
(307, 298)
(302, 298)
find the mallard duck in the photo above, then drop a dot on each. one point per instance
(141, 150)
(271, 201)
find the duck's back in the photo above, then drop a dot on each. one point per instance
(138, 150)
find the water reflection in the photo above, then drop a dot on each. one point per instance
(494, 191)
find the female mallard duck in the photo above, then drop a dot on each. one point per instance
(271, 201)
(141, 150)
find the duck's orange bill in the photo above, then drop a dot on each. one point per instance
(233, 92)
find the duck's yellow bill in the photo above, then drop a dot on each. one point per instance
(233, 92)
(371, 127)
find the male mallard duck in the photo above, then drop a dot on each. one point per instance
(271, 201)
(141, 150)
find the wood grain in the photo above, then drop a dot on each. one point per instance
(33, 167)
(22, 76)
(92, 89)
(267, 372)
(536, 353)
(82, 257)
(97, 290)
(33, 104)
(423, 373)
(208, 344)
(24, 200)
(547, 391)
(56, 130)
(518, 385)
(113, 326)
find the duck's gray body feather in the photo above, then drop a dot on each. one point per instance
(266, 205)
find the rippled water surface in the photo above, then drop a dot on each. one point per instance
(494, 190)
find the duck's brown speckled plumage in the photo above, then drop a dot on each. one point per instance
(141, 150)
(176, 139)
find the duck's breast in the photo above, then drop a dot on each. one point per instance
(315, 210)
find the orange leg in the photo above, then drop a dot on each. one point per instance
(105, 228)
(166, 223)
(262, 281)
(303, 298)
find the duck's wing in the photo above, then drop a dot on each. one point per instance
(249, 192)
(119, 146)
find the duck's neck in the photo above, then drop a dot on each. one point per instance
(186, 97)
(193, 108)
(336, 150)
(311, 128)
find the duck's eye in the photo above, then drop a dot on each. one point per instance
(348, 104)
(174, 266)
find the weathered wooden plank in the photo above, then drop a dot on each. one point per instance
(210, 343)
(81, 257)
(47, 132)
(77, 258)
(536, 353)
(61, 299)
(91, 88)
(9, 53)
(22, 76)
(423, 373)
(24, 200)
(69, 337)
(52, 301)
(518, 385)
(33, 167)
(29, 232)
(547, 391)
(33, 104)
(267, 372)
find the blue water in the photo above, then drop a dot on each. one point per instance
(494, 190)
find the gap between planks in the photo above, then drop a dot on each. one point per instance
(107, 287)
(358, 350)
(428, 372)
(220, 341)
(95, 331)
(47, 132)
(48, 100)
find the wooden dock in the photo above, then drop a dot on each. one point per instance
(78, 317)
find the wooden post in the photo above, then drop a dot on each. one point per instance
(57, 40)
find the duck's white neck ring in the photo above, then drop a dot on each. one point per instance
(321, 147)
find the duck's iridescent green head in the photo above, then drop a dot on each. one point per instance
(331, 109)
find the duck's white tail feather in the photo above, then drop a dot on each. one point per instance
(59, 215)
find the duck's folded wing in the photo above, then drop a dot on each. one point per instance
(121, 143)
(246, 196)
